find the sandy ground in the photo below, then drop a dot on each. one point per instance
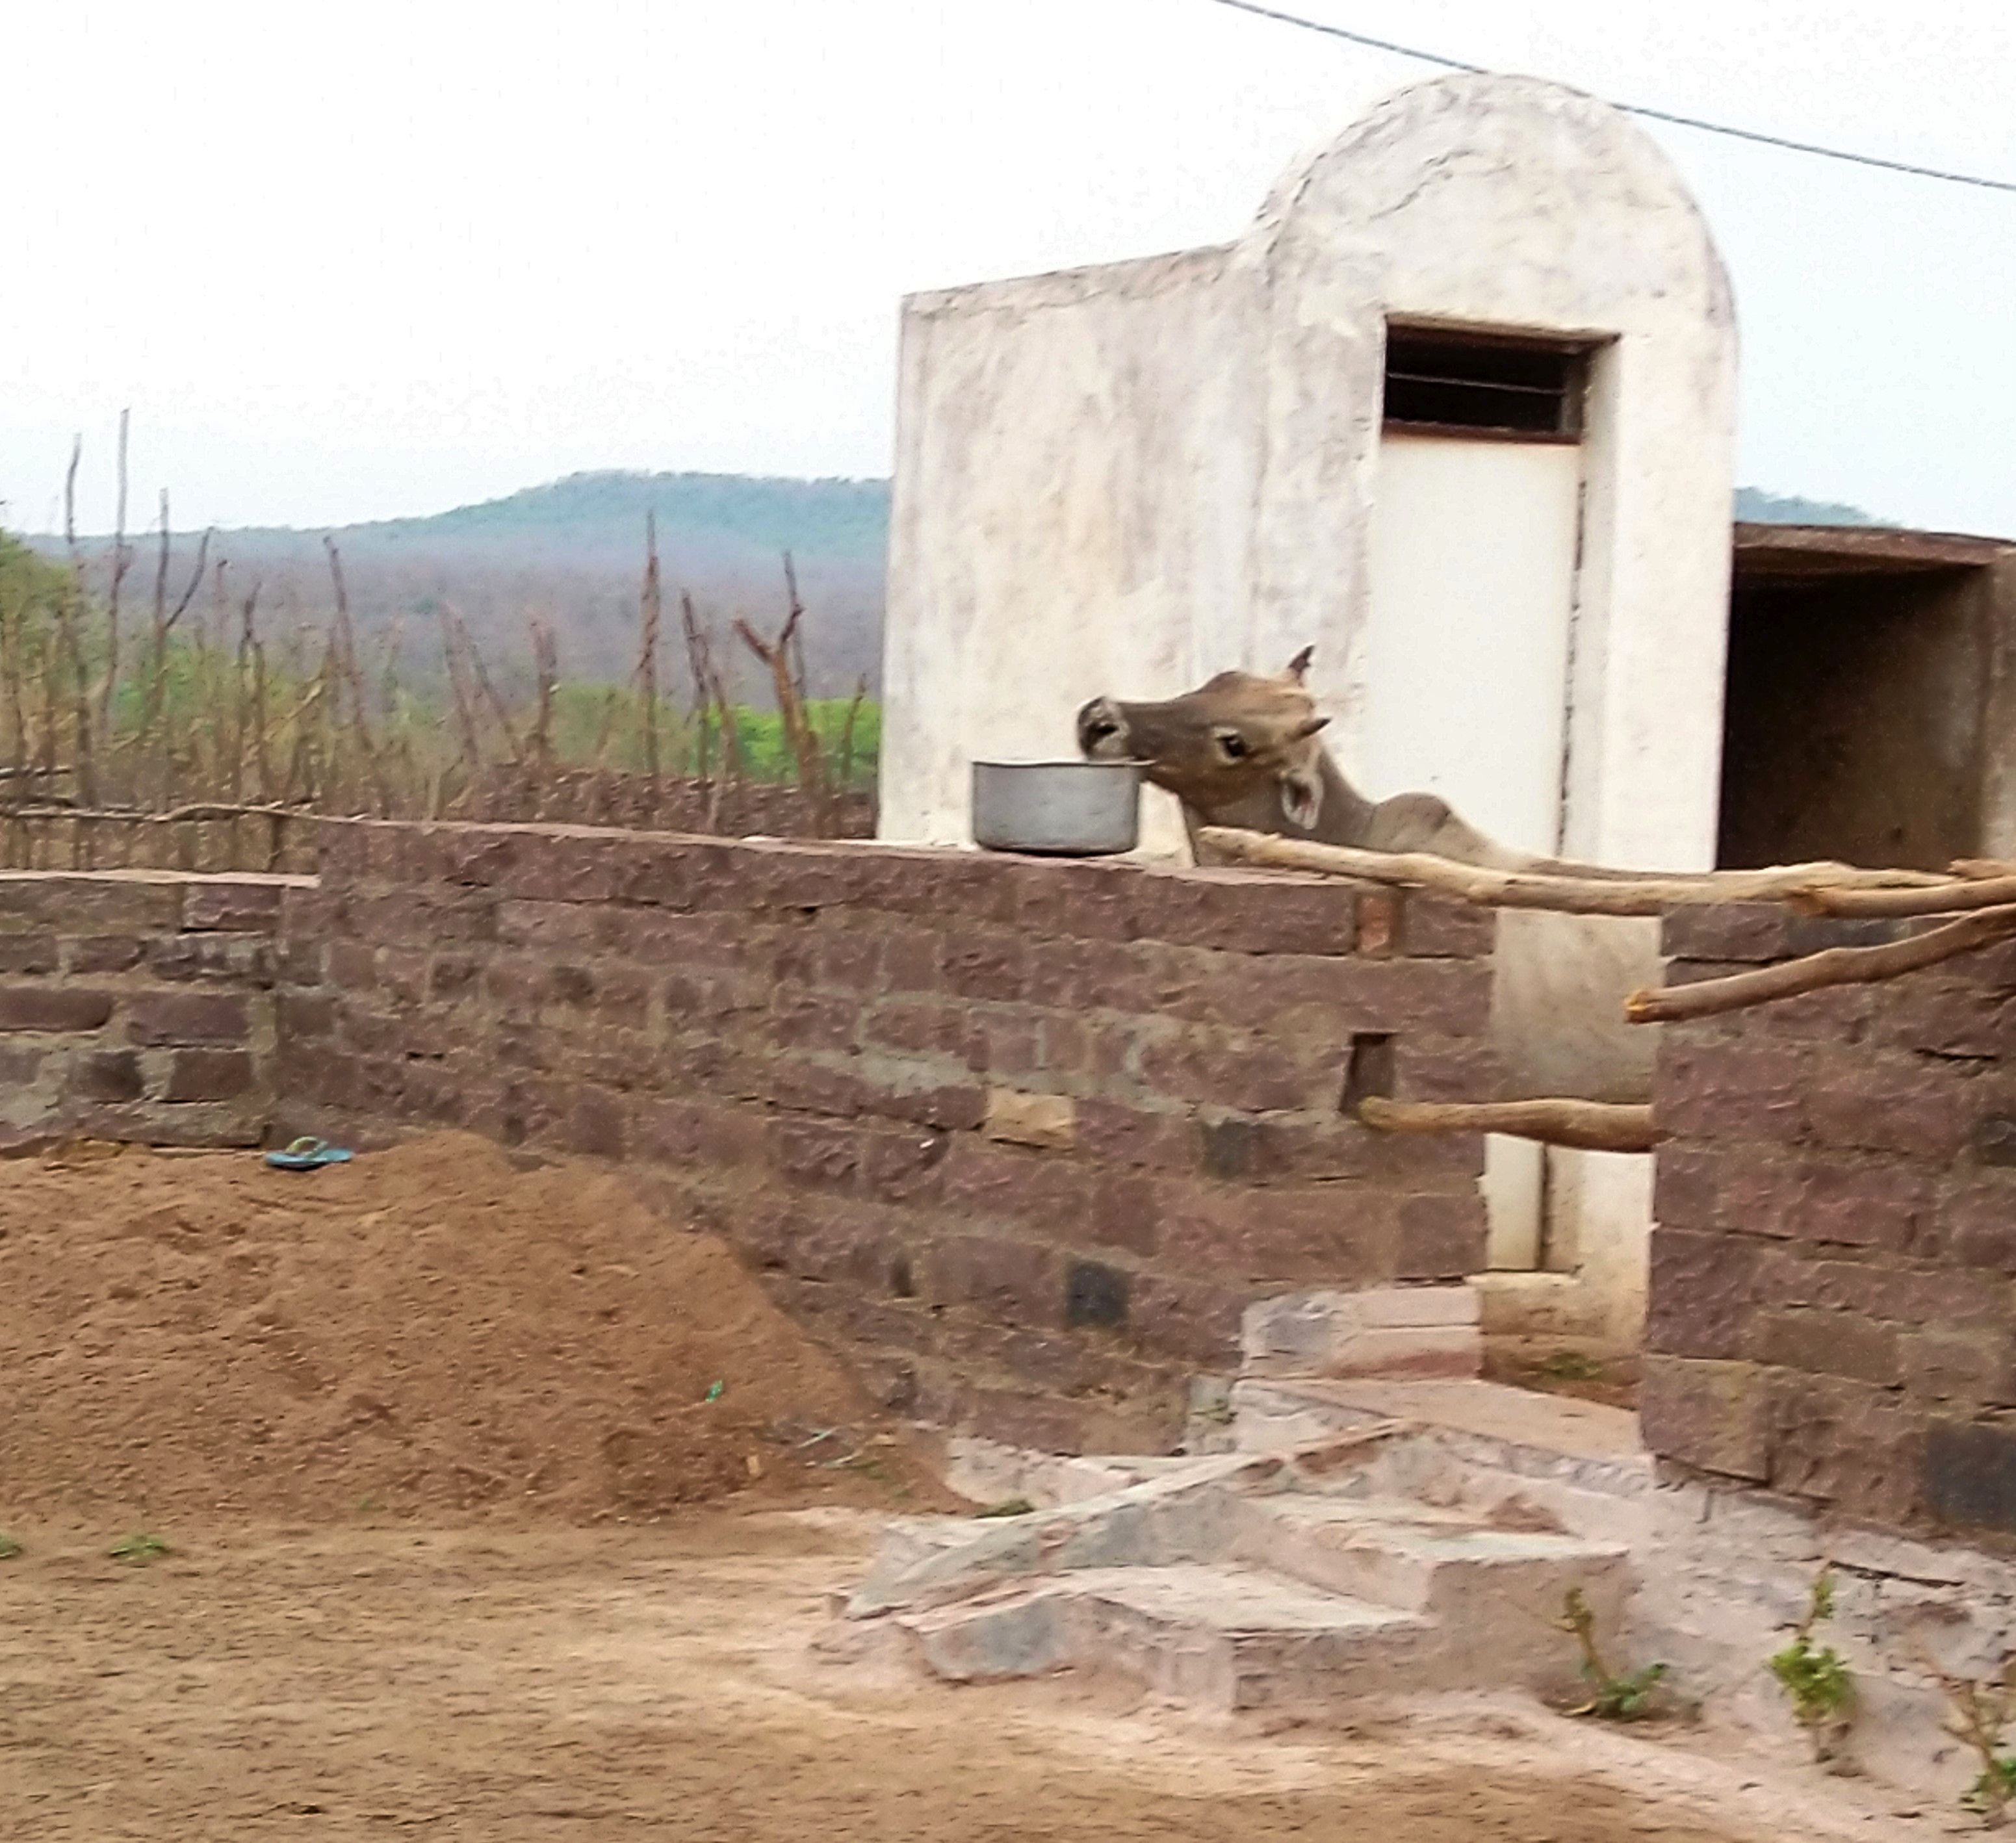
(667, 1682)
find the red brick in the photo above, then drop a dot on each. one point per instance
(849, 960)
(919, 1026)
(430, 917)
(1444, 1069)
(1342, 1236)
(53, 1010)
(1207, 1069)
(34, 953)
(1714, 1416)
(1441, 1236)
(911, 960)
(1753, 931)
(1855, 1445)
(232, 907)
(1020, 1283)
(1006, 1182)
(1949, 1297)
(1007, 1044)
(1956, 1018)
(105, 953)
(1380, 920)
(1245, 912)
(1685, 1194)
(109, 1075)
(209, 1074)
(1976, 1226)
(352, 966)
(830, 1239)
(1113, 1132)
(242, 959)
(819, 1154)
(1703, 1294)
(1832, 1344)
(1711, 1090)
(1889, 1106)
(1976, 1368)
(904, 1166)
(1192, 1320)
(1094, 975)
(597, 1124)
(987, 965)
(1440, 927)
(700, 1132)
(813, 1020)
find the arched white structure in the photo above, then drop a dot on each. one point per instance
(1122, 479)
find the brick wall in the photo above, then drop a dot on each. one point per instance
(1833, 1304)
(1028, 1136)
(137, 1006)
(603, 796)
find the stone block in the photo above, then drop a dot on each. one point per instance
(54, 1010)
(1049, 1121)
(1714, 1416)
(168, 1018)
(209, 1074)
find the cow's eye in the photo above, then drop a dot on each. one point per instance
(1232, 744)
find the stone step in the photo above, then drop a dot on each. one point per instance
(1384, 1331)
(1495, 1595)
(1216, 1636)
(1505, 1456)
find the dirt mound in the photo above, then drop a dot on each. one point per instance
(428, 1330)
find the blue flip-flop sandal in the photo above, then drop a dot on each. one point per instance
(307, 1154)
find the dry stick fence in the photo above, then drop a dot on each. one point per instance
(172, 752)
(1981, 894)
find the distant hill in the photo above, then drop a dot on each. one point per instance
(572, 553)
(812, 517)
(1756, 507)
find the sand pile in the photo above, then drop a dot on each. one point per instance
(428, 1331)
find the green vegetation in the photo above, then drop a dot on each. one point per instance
(10, 1550)
(1815, 1677)
(1611, 1697)
(139, 1549)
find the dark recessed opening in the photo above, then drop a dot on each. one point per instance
(1370, 1071)
(1856, 707)
(1451, 382)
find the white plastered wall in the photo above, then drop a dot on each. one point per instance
(1123, 479)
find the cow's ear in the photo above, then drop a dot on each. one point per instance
(1298, 667)
(1301, 797)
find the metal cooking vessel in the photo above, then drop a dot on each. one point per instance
(1062, 809)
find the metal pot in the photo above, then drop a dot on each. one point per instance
(1062, 809)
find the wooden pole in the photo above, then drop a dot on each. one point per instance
(1832, 965)
(1585, 1126)
(1649, 895)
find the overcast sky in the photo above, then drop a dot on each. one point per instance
(350, 261)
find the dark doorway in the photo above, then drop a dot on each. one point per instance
(1858, 683)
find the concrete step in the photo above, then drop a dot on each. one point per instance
(1494, 1597)
(1215, 1636)
(1385, 1331)
(1506, 1457)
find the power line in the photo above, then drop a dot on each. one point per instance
(1683, 121)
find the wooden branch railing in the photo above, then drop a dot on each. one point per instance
(1831, 966)
(1584, 1125)
(1651, 894)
